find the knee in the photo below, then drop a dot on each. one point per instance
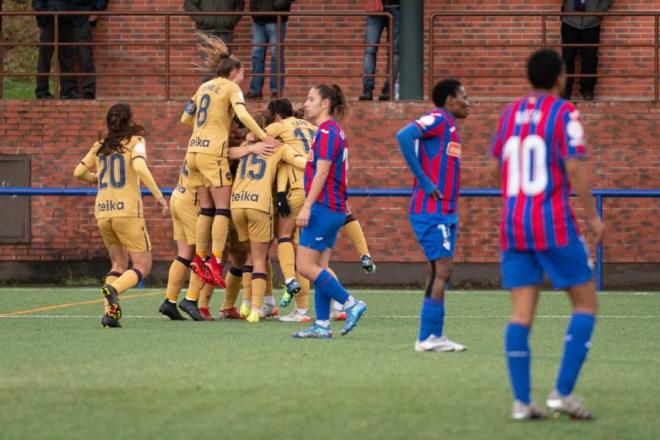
(443, 273)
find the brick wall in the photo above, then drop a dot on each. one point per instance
(624, 153)
(322, 52)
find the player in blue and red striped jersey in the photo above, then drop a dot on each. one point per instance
(539, 153)
(432, 150)
(324, 212)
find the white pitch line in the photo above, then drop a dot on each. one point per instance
(366, 317)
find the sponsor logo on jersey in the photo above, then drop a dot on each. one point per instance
(426, 120)
(245, 196)
(454, 149)
(190, 107)
(199, 142)
(109, 205)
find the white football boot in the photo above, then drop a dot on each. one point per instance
(521, 411)
(296, 316)
(438, 344)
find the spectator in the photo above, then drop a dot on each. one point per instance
(375, 26)
(264, 30)
(65, 53)
(83, 25)
(582, 30)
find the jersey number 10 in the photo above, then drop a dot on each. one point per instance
(531, 175)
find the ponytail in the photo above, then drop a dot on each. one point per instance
(120, 127)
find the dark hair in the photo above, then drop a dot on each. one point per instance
(336, 96)
(263, 118)
(299, 113)
(226, 64)
(281, 107)
(444, 89)
(120, 127)
(543, 69)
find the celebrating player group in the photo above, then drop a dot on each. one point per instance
(281, 176)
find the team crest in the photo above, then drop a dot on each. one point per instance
(454, 149)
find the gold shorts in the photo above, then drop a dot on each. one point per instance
(252, 224)
(130, 232)
(233, 243)
(208, 170)
(184, 219)
(296, 199)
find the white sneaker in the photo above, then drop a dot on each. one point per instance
(268, 311)
(570, 405)
(296, 316)
(438, 344)
(521, 411)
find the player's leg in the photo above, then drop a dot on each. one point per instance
(259, 253)
(219, 230)
(233, 280)
(287, 256)
(119, 263)
(176, 278)
(246, 303)
(353, 230)
(204, 220)
(269, 309)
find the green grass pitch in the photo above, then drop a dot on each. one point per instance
(63, 376)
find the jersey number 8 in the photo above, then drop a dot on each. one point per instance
(534, 178)
(202, 112)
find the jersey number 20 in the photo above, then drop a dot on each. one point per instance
(527, 168)
(112, 167)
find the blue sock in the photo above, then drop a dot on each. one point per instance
(578, 337)
(431, 318)
(331, 287)
(321, 304)
(516, 348)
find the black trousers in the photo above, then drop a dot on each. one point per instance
(589, 55)
(65, 54)
(83, 34)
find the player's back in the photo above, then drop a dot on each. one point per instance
(213, 116)
(299, 134)
(534, 137)
(118, 182)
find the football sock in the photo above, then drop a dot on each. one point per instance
(330, 287)
(302, 298)
(247, 283)
(258, 289)
(576, 347)
(205, 296)
(219, 232)
(431, 318)
(287, 257)
(269, 280)
(322, 305)
(516, 348)
(109, 279)
(203, 231)
(323, 322)
(269, 299)
(353, 229)
(128, 279)
(194, 287)
(176, 277)
(233, 279)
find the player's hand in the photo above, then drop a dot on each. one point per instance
(250, 137)
(272, 141)
(303, 218)
(283, 207)
(261, 149)
(164, 206)
(436, 194)
(597, 227)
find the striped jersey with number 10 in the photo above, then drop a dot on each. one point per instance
(534, 137)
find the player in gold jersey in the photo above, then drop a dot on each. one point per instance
(252, 210)
(120, 159)
(210, 112)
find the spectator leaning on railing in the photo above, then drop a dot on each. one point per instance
(375, 26)
(264, 30)
(83, 25)
(65, 53)
(582, 30)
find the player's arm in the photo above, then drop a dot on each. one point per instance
(139, 163)
(259, 148)
(322, 172)
(408, 138)
(290, 156)
(282, 178)
(83, 172)
(283, 208)
(189, 111)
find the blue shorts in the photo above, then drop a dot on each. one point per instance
(321, 231)
(436, 234)
(566, 266)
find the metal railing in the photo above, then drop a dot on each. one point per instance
(655, 44)
(599, 194)
(168, 43)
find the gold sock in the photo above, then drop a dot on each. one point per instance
(302, 298)
(195, 286)
(203, 231)
(127, 280)
(219, 232)
(269, 279)
(247, 283)
(355, 234)
(205, 296)
(233, 280)
(258, 289)
(176, 278)
(287, 258)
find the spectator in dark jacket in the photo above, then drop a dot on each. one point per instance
(65, 54)
(220, 26)
(582, 30)
(264, 31)
(83, 25)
